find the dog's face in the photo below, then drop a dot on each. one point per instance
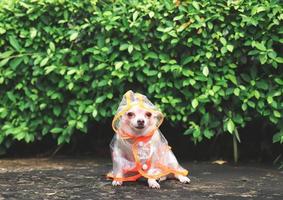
(138, 121)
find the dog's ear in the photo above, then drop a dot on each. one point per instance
(129, 92)
(126, 100)
(158, 117)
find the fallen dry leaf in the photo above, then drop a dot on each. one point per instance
(219, 162)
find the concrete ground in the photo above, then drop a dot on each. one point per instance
(73, 178)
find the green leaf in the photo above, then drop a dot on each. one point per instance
(246, 77)
(2, 31)
(258, 9)
(196, 5)
(107, 13)
(272, 54)
(56, 130)
(123, 47)
(237, 91)
(2, 80)
(189, 131)
(11, 96)
(74, 36)
(6, 54)
(152, 55)
(262, 58)
(270, 99)
(208, 134)
(33, 32)
(195, 103)
(277, 114)
(14, 42)
(151, 14)
(70, 86)
(262, 85)
(232, 78)
(100, 99)
(49, 69)
(29, 138)
(260, 46)
(208, 55)
(61, 139)
(4, 62)
(256, 94)
(196, 133)
(187, 60)
(167, 29)
(3, 113)
(52, 46)
(230, 47)
(44, 61)
(109, 95)
(205, 71)
(20, 136)
(279, 81)
(230, 126)
(119, 64)
(253, 52)
(251, 104)
(237, 118)
(16, 62)
(279, 59)
(223, 50)
(57, 110)
(130, 48)
(192, 81)
(278, 137)
(135, 15)
(94, 113)
(223, 41)
(80, 125)
(2, 137)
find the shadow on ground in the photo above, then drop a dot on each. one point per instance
(35, 179)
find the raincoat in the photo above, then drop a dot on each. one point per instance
(147, 156)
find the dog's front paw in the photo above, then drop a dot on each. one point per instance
(183, 179)
(152, 183)
(117, 183)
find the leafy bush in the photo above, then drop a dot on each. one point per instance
(212, 66)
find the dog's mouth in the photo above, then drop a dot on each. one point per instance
(139, 127)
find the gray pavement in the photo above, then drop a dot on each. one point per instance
(73, 178)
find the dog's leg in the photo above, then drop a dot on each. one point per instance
(152, 183)
(117, 173)
(117, 183)
(183, 179)
(117, 166)
(172, 161)
(163, 178)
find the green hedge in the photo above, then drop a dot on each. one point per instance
(211, 66)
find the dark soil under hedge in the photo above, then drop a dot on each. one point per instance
(256, 144)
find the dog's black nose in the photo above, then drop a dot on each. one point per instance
(140, 122)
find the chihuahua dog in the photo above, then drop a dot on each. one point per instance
(145, 149)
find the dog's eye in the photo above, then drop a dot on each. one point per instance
(130, 114)
(148, 114)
